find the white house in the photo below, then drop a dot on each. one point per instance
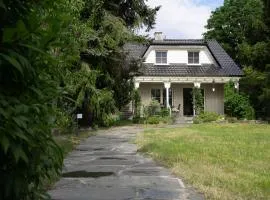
(171, 68)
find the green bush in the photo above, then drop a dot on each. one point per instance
(153, 120)
(165, 112)
(153, 108)
(237, 105)
(138, 120)
(206, 117)
(166, 120)
(109, 120)
(65, 124)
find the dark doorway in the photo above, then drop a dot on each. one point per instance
(188, 102)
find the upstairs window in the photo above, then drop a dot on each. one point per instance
(193, 58)
(161, 57)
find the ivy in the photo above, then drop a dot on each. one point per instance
(198, 101)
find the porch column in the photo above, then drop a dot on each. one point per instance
(196, 85)
(236, 85)
(167, 85)
(137, 85)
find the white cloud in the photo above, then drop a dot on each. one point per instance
(181, 18)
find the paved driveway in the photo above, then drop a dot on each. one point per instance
(107, 166)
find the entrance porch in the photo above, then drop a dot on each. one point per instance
(175, 93)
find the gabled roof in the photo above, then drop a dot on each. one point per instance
(226, 65)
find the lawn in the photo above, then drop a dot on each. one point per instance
(229, 161)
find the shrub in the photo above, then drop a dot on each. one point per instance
(237, 105)
(109, 120)
(167, 120)
(139, 120)
(65, 124)
(206, 117)
(165, 112)
(153, 108)
(153, 120)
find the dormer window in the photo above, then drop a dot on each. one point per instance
(193, 57)
(161, 57)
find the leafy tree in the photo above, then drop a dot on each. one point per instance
(114, 22)
(243, 28)
(57, 57)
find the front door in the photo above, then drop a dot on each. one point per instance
(188, 101)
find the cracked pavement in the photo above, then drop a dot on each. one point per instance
(108, 167)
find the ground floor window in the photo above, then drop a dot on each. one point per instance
(170, 97)
(155, 94)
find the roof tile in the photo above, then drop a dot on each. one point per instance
(226, 65)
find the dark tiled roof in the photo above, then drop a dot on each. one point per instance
(226, 65)
(182, 70)
(223, 59)
(178, 42)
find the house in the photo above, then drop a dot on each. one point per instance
(172, 68)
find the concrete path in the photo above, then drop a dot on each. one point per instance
(108, 167)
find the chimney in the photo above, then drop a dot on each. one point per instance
(159, 36)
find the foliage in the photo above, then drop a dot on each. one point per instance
(64, 122)
(99, 103)
(237, 105)
(165, 112)
(198, 100)
(137, 104)
(114, 28)
(28, 89)
(243, 29)
(42, 76)
(206, 117)
(153, 120)
(108, 120)
(153, 108)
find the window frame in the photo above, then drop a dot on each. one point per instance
(156, 96)
(193, 58)
(162, 58)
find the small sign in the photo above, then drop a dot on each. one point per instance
(79, 116)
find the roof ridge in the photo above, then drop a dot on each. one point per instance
(183, 39)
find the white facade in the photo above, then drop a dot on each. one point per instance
(173, 91)
(179, 54)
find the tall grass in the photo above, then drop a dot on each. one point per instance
(229, 161)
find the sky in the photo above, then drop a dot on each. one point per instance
(183, 19)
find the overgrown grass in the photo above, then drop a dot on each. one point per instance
(230, 161)
(69, 142)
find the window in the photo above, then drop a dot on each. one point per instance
(155, 94)
(170, 97)
(193, 58)
(161, 57)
